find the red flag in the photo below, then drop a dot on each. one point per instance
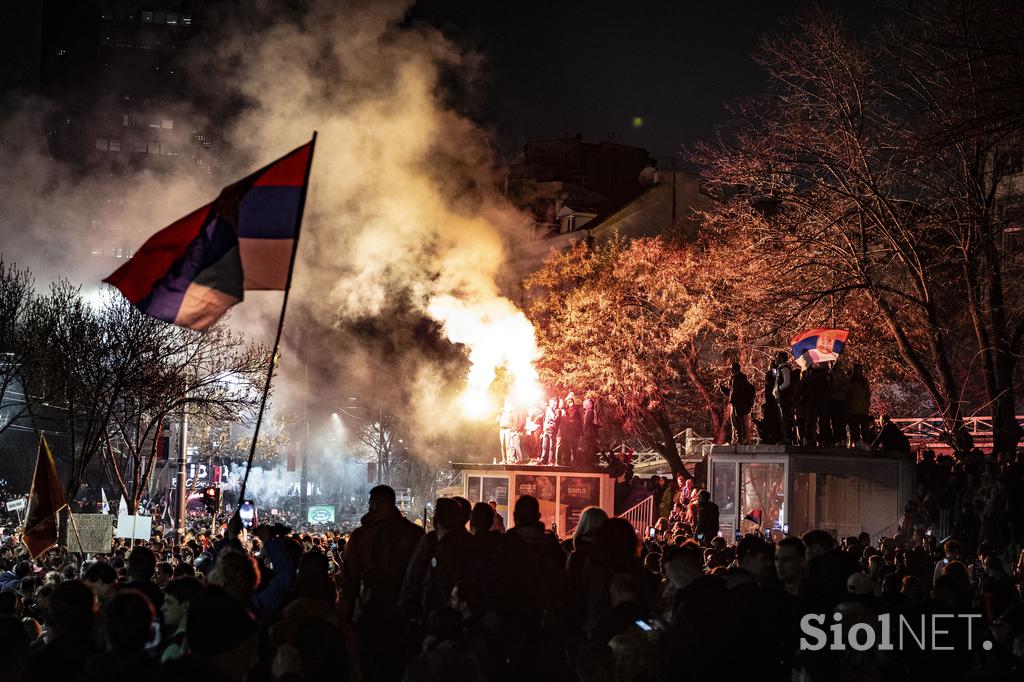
(44, 501)
(163, 443)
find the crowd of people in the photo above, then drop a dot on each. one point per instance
(824, 405)
(468, 600)
(562, 433)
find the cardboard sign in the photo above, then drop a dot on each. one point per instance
(96, 532)
(134, 527)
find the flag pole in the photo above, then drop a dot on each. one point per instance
(280, 323)
(74, 527)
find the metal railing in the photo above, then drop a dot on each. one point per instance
(640, 514)
(689, 443)
(933, 429)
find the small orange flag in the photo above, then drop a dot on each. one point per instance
(44, 501)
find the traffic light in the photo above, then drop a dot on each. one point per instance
(211, 499)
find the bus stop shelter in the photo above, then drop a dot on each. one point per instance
(791, 490)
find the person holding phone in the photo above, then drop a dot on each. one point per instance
(247, 513)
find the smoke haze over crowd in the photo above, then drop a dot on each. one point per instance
(402, 210)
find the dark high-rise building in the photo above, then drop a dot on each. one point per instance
(117, 98)
(114, 71)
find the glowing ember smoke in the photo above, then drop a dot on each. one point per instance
(497, 334)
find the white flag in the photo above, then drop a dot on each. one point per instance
(122, 508)
(106, 505)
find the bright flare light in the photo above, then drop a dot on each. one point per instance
(497, 334)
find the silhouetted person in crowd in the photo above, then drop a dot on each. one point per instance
(838, 396)
(222, 638)
(376, 558)
(128, 620)
(706, 524)
(890, 438)
(71, 634)
(455, 556)
(700, 635)
(549, 432)
(858, 406)
(741, 401)
(505, 431)
(531, 601)
(178, 594)
(828, 568)
(784, 393)
(141, 568)
(812, 394)
(588, 439)
(769, 429)
(15, 650)
(101, 578)
(569, 428)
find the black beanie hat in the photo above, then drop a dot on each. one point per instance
(217, 623)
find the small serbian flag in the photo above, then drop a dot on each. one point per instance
(818, 345)
(192, 271)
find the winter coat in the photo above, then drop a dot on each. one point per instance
(552, 417)
(379, 551)
(858, 402)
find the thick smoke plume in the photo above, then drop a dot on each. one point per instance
(403, 216)
(403, 233)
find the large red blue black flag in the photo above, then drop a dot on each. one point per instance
(193, 270)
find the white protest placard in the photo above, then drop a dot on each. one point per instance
(134, 526)
(16, 505)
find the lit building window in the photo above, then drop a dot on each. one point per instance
(167, 123)
(186, 20)
(147, 17)
(101, 143)
(172, 18)
(115, 145)
(153, 148)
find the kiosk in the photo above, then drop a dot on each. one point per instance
(563, 492)
(793, 490)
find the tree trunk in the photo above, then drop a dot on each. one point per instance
(1006, 433)
(667, 444)
(716, 406)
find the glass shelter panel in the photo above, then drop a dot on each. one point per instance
(762, 493)
(844, 497)
(723, 487)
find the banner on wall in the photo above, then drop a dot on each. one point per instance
(577, 493)
(473, 490)
(544, 489)
(494, 488)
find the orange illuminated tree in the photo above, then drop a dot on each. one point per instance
(878, 176)
(648, 326)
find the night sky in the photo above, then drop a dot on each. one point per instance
(564, 67)
(555, 68)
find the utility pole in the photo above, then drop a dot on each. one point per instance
(380, 445)
(304, 476)
(182, 493)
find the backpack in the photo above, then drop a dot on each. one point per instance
(743, 394)
(537, 583)
(391, 547)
